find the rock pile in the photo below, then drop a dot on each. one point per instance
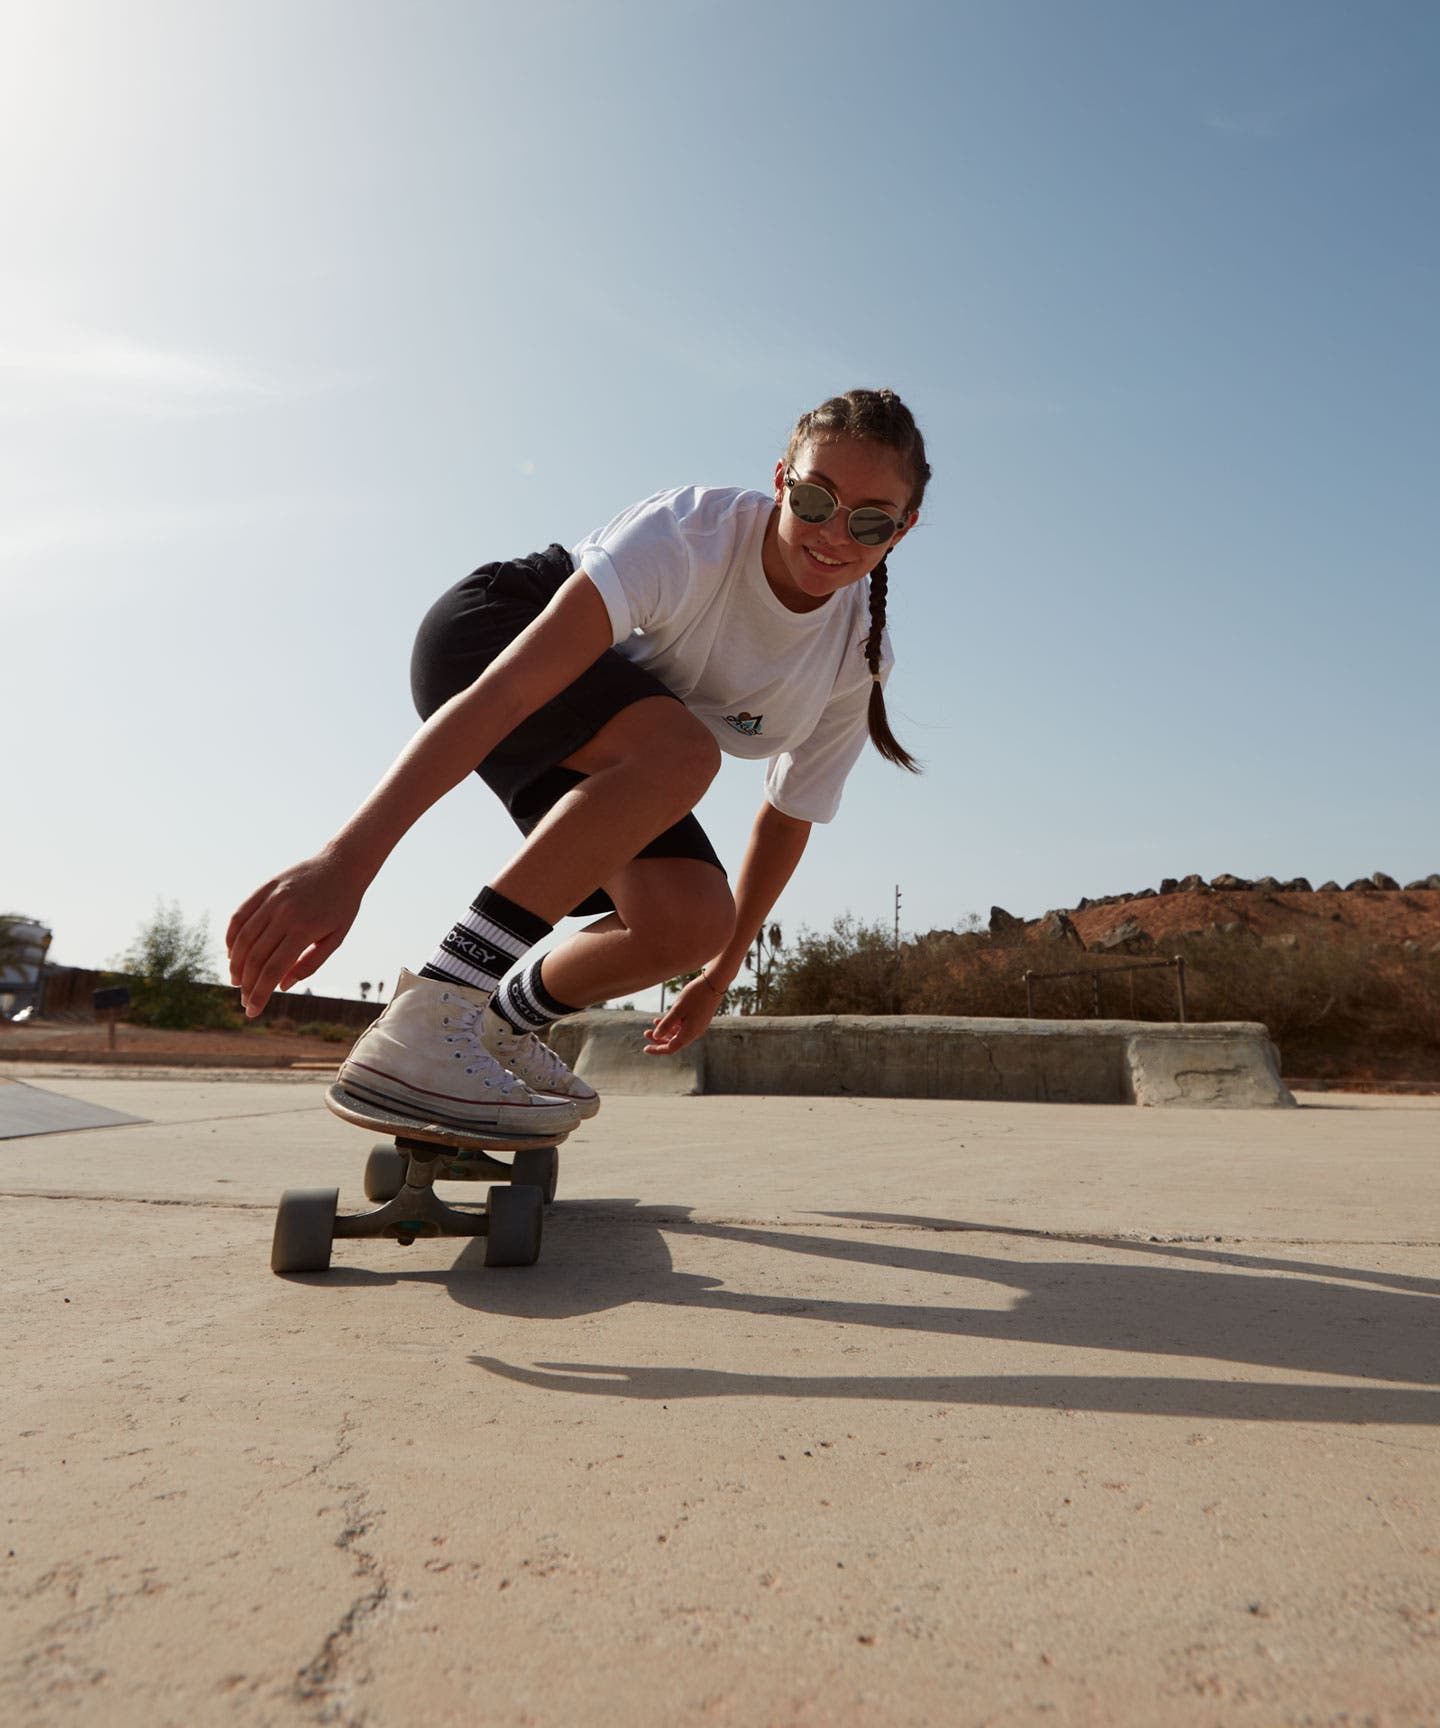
(1225, 883)
(1129, 936)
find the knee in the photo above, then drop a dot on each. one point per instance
(691, 755)
(661, 736)
(706, 925)
(688, 920)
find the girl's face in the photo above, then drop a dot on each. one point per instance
(807, 562)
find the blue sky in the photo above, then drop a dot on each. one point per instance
(308, 308)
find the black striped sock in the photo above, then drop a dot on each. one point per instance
(486, 943)
(524, 1002)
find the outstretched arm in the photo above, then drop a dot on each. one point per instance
(289, 927)
(777, 844)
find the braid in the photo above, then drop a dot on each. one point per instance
(881, 736)
(879, 593)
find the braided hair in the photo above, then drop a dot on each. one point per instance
(873, 417)
(876, 719)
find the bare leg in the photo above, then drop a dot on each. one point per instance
(645, 769)
(672, 915)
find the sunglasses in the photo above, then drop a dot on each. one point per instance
(813, 504)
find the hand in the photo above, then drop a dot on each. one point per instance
(685, 1019)
(290, 928)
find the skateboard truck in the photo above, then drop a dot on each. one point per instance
(403, 1179)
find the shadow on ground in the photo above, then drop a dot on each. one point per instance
(1179, 1302)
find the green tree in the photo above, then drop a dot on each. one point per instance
(762, 960)
(171, 978)
(850, 970)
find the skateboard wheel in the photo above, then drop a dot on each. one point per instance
(304, 1230)
(515, 1217)
(385, 1172)
(539, 1167)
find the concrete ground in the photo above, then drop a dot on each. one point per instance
(814, 1412)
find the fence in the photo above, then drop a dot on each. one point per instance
(69, 991)
(1095, 973)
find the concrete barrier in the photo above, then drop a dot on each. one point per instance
(1217, 1066)
(1229, 1064)
(608, 1050)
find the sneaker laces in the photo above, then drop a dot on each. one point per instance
(477, 1059)
(527, 1047)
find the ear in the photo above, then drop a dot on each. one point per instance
(780, 481)
(910, 522)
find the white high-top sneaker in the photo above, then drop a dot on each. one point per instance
(423, 1057)
(526, 1054)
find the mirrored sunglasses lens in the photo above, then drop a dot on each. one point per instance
(871, 527)
(812, 503)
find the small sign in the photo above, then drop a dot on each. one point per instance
(108, 1001)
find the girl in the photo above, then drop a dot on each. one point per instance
(596, 689)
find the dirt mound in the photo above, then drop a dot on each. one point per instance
(1348, 979)
(1383, 917)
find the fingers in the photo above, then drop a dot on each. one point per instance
(285, 955)
(263, 974)
(656, 1042)
(312, 961)
(681, 1025)
(264, 952)
(252, 949)
(288, 929)
(660, 1040)
(240, 918)
(241, 935)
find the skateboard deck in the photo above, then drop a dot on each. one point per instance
(381, 1121)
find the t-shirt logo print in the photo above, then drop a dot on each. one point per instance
(746, 722)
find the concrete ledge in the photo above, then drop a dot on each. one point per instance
(1228, 1064)
(608, 1050)
(1218, 1067)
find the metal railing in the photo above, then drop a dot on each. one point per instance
(1096, 973)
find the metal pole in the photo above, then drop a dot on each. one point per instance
(1029, 998)
(1095, 981)
(1180, 984)
(895, 975)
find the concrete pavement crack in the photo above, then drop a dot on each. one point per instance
(326, 1684)
(994, 1067)
(685, 1221)
(136, 1200)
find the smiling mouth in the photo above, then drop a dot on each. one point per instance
(820, 558)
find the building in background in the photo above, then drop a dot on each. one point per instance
(24, 943)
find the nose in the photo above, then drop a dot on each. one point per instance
(834, 532)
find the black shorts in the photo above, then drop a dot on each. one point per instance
(467, 628)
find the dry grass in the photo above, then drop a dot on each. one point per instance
(1336, 1007)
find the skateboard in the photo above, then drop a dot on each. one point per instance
(401, 1178)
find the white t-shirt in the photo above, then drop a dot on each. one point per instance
(682, 578)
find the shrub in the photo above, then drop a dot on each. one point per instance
(853, 970)
(169, 973)
(1334, 1005)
